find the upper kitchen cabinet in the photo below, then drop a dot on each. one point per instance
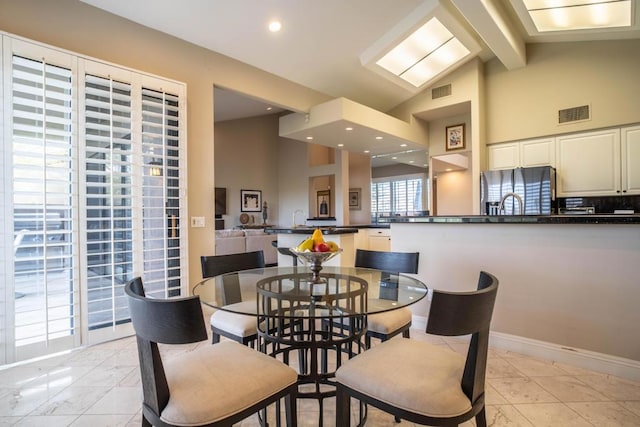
(529, 153)
(631, 160)
(600, 163)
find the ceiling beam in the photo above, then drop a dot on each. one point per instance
(494, 28)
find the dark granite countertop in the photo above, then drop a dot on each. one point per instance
(309, 230)
(522, 219)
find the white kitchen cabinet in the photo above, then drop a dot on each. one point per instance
(380, 239)
(589, 164)
(530, 153)
(630, 152)
(538, 152)
(504, 156)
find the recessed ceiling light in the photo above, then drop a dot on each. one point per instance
(275, 26)
(309, 137)
(367, 151)
(411, 161)
(269, 108)
(378, 137)
(559, 15)
(348, 128)
(340, 145)
(394, 158)
(403, 145)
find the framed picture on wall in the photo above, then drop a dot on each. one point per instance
(250, 201)
(354, 199)
(324, 203)
(455, 137)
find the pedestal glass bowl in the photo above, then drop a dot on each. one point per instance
(314, 260)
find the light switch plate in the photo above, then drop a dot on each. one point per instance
(197, 221)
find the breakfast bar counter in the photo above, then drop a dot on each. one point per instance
(569, 287)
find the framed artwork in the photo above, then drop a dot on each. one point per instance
(354, 199)
(324, 203)
(455, 137)
(250, 201)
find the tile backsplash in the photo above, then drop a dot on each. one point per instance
(603, 205)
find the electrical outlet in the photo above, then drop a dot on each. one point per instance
(197, 221)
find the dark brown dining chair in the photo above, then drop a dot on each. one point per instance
(429, 384)
(211, 385)
(388, 324)
(238, 327)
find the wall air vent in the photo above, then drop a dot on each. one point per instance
(574, 114)
(441, 91)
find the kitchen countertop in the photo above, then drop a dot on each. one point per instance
(309, 230)
(522, 219)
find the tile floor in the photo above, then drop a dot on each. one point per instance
(99, 386)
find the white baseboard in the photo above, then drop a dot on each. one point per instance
(605, 363)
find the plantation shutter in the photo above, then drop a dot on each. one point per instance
(162, 163)
(44, 181)
(109, 182)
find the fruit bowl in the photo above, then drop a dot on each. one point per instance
(315, 260)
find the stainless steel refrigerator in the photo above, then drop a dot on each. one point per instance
(502, 191)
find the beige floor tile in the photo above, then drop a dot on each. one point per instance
(552, 415)
(633, 406)
(605, 414)
(105, 376)
(119, 400)
(521, 390)
(9, 421)
(501, 368)
(613, 387)
(47, 420)
(505, 416)
(71, 401)
(101, 421)
(570, 389)
(492, 397)
(18, 402)
(536, 367)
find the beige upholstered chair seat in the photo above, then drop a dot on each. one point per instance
(238, 324)
(423, 378)
(214, 382)
(389, 321)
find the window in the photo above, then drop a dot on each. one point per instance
(92, 176)
(399, 195)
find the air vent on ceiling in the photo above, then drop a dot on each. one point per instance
(574, 114)
(441, 91)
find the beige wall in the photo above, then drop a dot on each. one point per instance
(75, 26)
(523, 103)
(360, 177)
(247, 150)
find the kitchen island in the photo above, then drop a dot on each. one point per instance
(569, 284)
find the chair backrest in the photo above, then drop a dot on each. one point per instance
(167, 321)
(464, 313)
(215, 265)
(393, 262)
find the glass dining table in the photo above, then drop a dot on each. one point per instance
(315, 319)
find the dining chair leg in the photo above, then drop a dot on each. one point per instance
(481, 418)
(215, 338)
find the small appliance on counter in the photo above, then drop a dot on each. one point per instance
(519, 191)
(580, 210)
